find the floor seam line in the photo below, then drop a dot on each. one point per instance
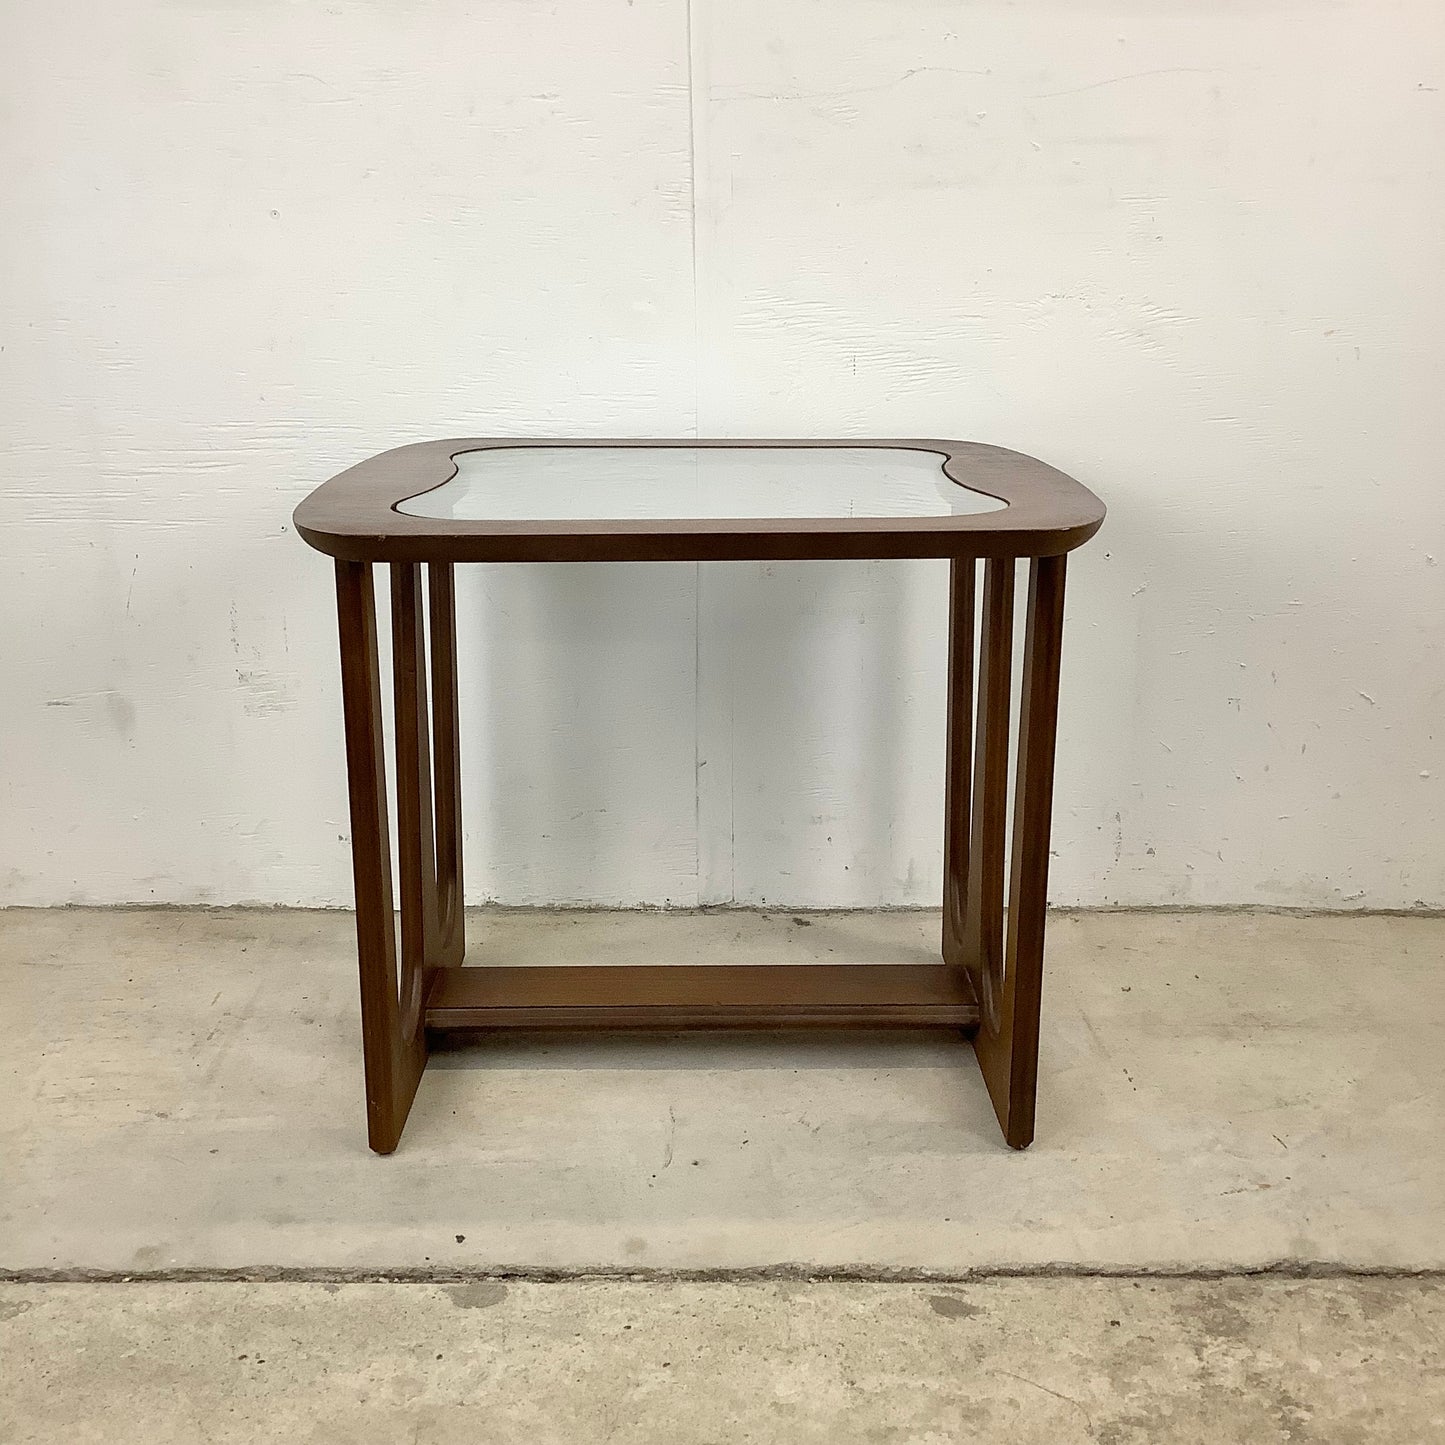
(1284, 1269)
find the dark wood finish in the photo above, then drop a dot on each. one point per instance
(957, 804)
(1006, 971)
(393, 1040)
(983, 913)
(1008, 1047)
(354, 515)
(446, 730)
(415, 831)
(990, 980)
(703, 996)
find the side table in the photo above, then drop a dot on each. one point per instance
(424, 508)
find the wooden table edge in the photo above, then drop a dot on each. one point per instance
(354, 517)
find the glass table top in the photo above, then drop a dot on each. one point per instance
(569, 483)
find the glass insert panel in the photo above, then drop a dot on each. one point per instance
(567, 483)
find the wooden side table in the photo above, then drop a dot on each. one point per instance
(432, 505)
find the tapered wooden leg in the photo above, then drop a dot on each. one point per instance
(393, 1037)
(451, 939)
(1006, 973)
(416, 845)
(983, 942)
(956, 809)
(1011, 1054)
(1010, 986)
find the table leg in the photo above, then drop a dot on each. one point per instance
(394, 1054)
(451, 928)
(983, 908)
(1007, 973)
(415, 829)
(393, 1000)
(957, 801)
(1015, 1047)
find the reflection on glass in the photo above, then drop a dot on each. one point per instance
(569, 483)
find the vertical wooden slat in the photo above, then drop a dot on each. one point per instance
(956, 808)
(415, 834)
(983, 920)
(1032, 821)
(393, 1062)
(451, 942)
(1010, 1056)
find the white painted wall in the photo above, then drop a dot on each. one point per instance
(1188, 251)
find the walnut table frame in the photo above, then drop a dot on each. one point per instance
(988, 981)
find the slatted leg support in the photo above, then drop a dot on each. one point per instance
(393, 999)
(992, 972)
(1006, 971)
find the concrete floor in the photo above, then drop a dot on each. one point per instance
(181, 1092)
(1030, 1362)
